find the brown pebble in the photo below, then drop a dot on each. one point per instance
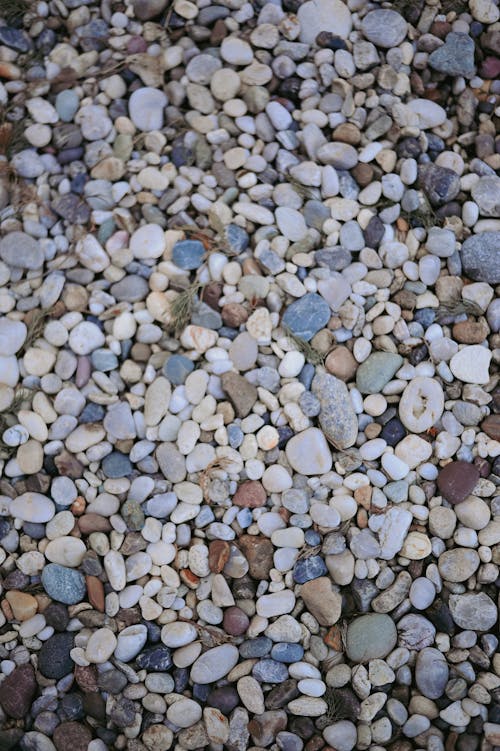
(363, 174)
(491, 426)
(95, 591)
(457, 480)
(234, 314)
(348, 133)
(241, 392)
(71, 736)
(333, 638)
(341, 363)
(211, 294)
(190, 580)
(264, 727)
(470, 332)
(218, 555)
(23, 605)
(259, 553)
(235, 621)
(93, 523)
(17, 691)
(86, 678)
(250, 494)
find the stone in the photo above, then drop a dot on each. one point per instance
(184, 713)
(370, 637)
(258, 551)
(214, 664)
(458, 565)
(17, 691)
(457, 480)
(376, 371)
(339, 155)
(455, 57)
(188, 254)
(480, 257)
(306, 316)
(471, 364)
(421, 404)
(337, 416)
(277, 603)
(20, 250)
(12, 336)
(393, 532)
(440, 184)
(32, 507)
(308, 452)
(54, 660)
(322, 600)
(72, 736)
(485, 194)
(66, 550)
(241, 392)
(323, 15)
(63, 584)
(341, 735)
(384, 28)
(475, 611)
(100, 646)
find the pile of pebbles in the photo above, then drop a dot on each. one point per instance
(249, 397)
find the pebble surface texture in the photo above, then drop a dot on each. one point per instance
(249, 391)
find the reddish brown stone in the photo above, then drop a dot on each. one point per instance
(17, 691)
(95, 591)
(457, 480)
(250, 494)
(491, 426)
(341, 363)
(218, 555)
(86, 678)
(93, 523)
(234, 314)
(259, 553)
(71, 736)
(235, 621)
(470, 332)
(211, 294)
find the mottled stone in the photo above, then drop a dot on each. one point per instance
(337, 416)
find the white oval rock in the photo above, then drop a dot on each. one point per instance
(67, 551)
(421, 404)
(100, 646)
(130, 642)
(32, 507)
(471, 364)
(214, 664)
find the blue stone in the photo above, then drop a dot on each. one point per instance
(307, 315)
(235, 436)
(312, 537)
(244, 518)
(309, 568)
(116, 465)
(303, 521)
(157, 659)
(205, 516)
(66, 104)
(92, 413)
(15, 38)
(425, 316)
(285, 433)
(177, 368)
(228, 333)
(237, 238)
(270, 671)
(34, 530)
(315, 214)
(63, 584)
(104, 360)
(106, 230)
(307, 374)
(393, 432)
(257, 647)
(287, 652)
(204, 315)
(188, 254)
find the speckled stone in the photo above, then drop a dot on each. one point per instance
(307, 315)
(63, 584)
(337, 416)
(370, 637)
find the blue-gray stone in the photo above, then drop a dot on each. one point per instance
(206, 516)
(396, 492)
(376, 371)
(257, 647)
(132, 288)
(312, 537)
(66, 104)
(15, 38)
(92, 413)
(287, 652)
(104, 360)
(455, 57)
(237, 238)
(270, 671)
(204, 315)
(481, 257)
(306, 375)
(188, 254)
(177, 368)
(63, 584)
(235, 436)
(34, 530)
(309, 568)
(157, 659)
(370, 637)
(307, 315)
(315, 214)
(116, 465)
(244, 518)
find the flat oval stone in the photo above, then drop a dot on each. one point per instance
(214, 664)
(337, 416)
(457, 480)
(307, 315)
(431, 672)
(67, 551)
(63, 584)
(376, 371)
(270, 671)
(471, 364)
(473, 611)
(385, 28)
(32, 507)
(188, 254)
(370, 637)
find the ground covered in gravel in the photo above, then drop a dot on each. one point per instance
(249, 429)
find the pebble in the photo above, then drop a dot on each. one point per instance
(323, 15)
(337, 417)
(457, 480)
(471, 364)
(214, 664)
(146, 107)
(384, 28)
(376, 371)
(421, 405)
(306, 316)
(63, 584)
(370, 637)
(308, 452)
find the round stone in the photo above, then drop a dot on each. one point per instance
(457, 480)
(370, 637)
(421, 404)
(384, 28)
(308, 452)
(146, 108)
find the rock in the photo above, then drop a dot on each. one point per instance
(188, 254)
(308, 452)
(259, 554)
(480, 257)
(146, 108)
(376, 371)
(250, 494)
(471, 364)
(309, 568)
(290, 223)
(370, 637)
(473, 611)
(12, 336)
(63, 584)
(147, 9)
(323, 15)
(322, 601)
(100, 646)
(421, 404)
(184, 713)
(32, 507)
(439, 183)
(384, 28)
(455, 57)
(393, 532)
(338, 154)
(306, 316)
(54, 660)
(431, 673)
(72, 736)
(67, 551)
(337, 416)
(277, 603)
(341, 735)
(214, 664)
(17, 691)
(457, 480)
(20, 250)
(242, 394)
(148, 241)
